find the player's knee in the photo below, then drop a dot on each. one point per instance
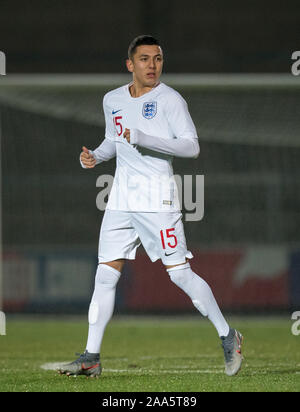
(107, 276)
(178, 278)
(179, 274)
(117, 264)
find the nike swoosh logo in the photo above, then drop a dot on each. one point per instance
(116, 111)
(89, 367)
(169, 254)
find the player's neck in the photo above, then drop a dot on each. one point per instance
(137, 90)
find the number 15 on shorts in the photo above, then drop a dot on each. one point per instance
(167, 235)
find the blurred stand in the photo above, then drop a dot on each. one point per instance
(64, 36)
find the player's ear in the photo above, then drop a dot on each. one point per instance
(129, 65)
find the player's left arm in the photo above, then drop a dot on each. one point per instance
(185, 143)
(183, 147)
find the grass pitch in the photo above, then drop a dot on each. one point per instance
(149, 355)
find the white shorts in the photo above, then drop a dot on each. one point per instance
(160, 233)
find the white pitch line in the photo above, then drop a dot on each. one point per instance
(53, 366)
(158, 371)
(176, 357)
(56, 365)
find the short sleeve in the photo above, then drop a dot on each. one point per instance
(179, 118)
(109, 126)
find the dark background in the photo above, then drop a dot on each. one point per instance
(197, 36)
(247, 245)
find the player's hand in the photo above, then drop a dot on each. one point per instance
(126, 135)
(87, 158)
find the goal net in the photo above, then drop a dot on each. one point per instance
(248, 127)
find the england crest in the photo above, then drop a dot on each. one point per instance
(149, 109)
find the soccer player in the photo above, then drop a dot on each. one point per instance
(147, 123)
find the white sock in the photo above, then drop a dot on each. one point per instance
(102, 305)
(200, 293)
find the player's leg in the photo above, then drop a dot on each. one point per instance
(118, 242)
(162, 235)
(203, 299)
(200, 293)
(116, 264)
(100, 312)
(102, 302)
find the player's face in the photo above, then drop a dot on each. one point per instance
(146, 65)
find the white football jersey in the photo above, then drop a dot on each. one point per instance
(144, 180)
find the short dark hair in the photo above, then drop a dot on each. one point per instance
(144, 39)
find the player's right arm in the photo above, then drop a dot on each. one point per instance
(107, 149)
(103, 153)
(87, 160)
